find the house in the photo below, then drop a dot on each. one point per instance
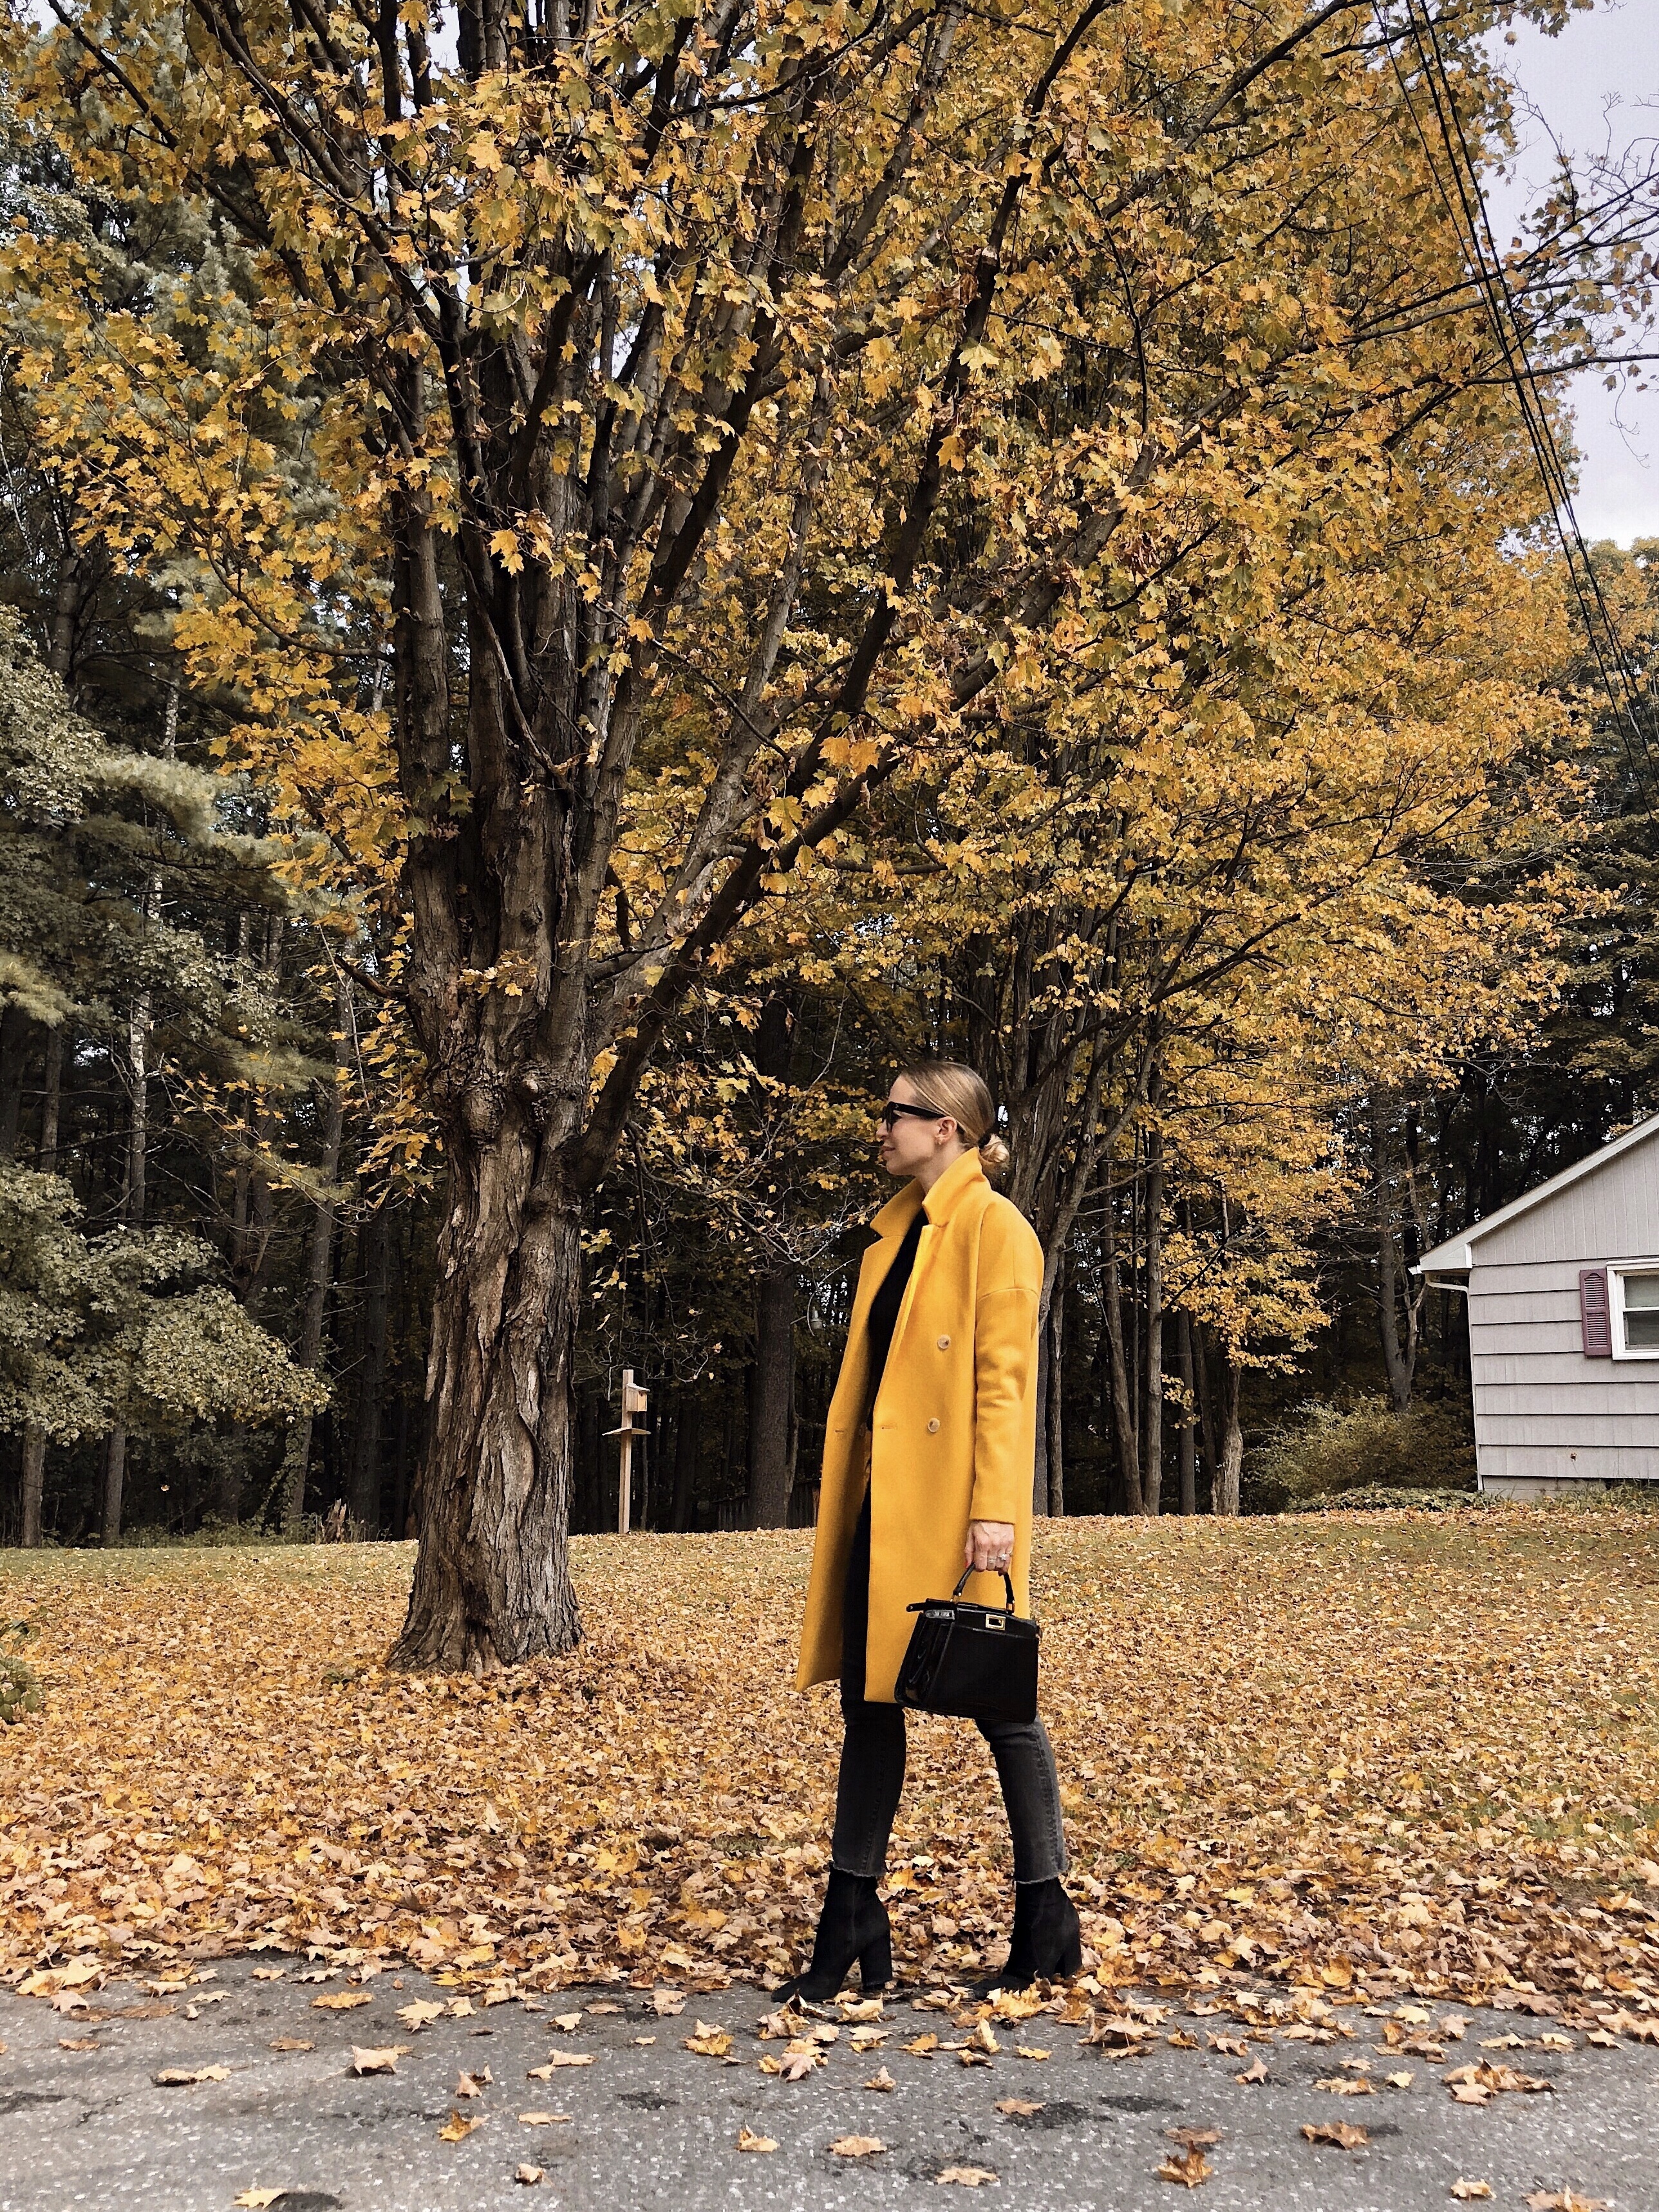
(1564, 1324)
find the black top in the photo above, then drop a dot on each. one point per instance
(884, 1308)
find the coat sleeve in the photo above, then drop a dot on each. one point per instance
(1004, 1366)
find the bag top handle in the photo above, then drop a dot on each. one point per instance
(1007, 1583)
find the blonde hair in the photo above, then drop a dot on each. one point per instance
(957, 1092)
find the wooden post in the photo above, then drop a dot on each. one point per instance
(635, 1400)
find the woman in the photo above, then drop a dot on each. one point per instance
(927, 1470)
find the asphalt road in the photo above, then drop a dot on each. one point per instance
(653, 2125)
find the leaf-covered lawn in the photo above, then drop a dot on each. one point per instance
(1415, 1750)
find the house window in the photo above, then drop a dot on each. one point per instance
(1635, 1312)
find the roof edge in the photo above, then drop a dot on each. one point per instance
(1457, 1253)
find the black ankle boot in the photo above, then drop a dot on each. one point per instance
(1047, 1938)
(852, 1925)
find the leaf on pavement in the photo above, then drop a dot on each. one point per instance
(1026, 2050)
(456, 2129)
(965, 2177)
(1019, 2108)
(748, 2140)
(923, 2046)
(186, 2077)
(1347, 2085)
(1467, 2191)
(857, 2146)
(255, 2200)
(1189, 2168)
(1341, 2135)
(709, 2041)
(530, 2175)
(1253, 2074)
(415, 2015)
(667, 2002)
(291, 2042)
(474, 2085)
(1564, 2200)
(882, 2080)
(342, 2000)
(381, 2060)
(541, 2119)
(554, 2060)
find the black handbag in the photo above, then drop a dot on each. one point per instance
(970, 1660)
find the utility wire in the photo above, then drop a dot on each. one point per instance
(1466, 205)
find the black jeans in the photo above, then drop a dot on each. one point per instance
(872, 1758)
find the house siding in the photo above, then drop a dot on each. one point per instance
(1545, 1414)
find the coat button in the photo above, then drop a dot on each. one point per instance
(945, 1344)
(932, 1428)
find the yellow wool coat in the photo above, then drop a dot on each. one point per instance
(954, 1434)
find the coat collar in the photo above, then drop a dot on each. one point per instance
(959, 1179)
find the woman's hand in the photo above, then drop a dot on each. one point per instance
(990, 1546)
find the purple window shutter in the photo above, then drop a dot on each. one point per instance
(1595, 1317)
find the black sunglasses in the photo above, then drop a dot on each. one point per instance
(890, 1112)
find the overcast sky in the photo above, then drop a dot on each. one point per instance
(1594, 89)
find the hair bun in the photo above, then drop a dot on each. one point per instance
(993, 1154)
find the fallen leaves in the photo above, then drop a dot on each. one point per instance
(1564, 2200)
(256, 2200)
(1253, 2075)
(748, 2140)
(1347, 2085)
(342, 2000)
(1340, 2135)
(1467, 2191)
(377, 2061)
(1189, 2168)
(556, 2059)
(456, 2129)
(291, 2042)
(530, 2175)
(965, 2177)
(857, 2146)
(402, 1834)
(473, 2085)
(1019, 2108)
(419, 2014)
(188, 2077)
(709, 2042)
(881, 2080)
(1478, 2085)
(543, 2120)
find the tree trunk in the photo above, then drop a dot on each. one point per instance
(1188, 1432)
(688, 1442)
(1056, 1436)
(1232, 1448)
(1151, 1426)
(35, 1438)
(364, 1498)
(1399, 1359)
(772, 1398)
(492, 1580)
(115, 1470)
(13, 1062)
(1205, 1409)
(296, 1457)
(1123, 1425)
(1040, 1457)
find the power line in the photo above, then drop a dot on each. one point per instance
(1474, 234)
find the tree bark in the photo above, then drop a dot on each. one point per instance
(364, 1499)
(296, 1456)
(1123, 1425)
(14, 1062)
(1151, 1426)
(492, 1582)
(1187, 1438)
(773, 1397)
(1055, 1438)
(688, 1445)
(115, 1471)
(35, 1438)
(1225, 1500)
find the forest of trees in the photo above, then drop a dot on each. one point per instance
(542, 662)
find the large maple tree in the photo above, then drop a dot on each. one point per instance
(708, 406)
